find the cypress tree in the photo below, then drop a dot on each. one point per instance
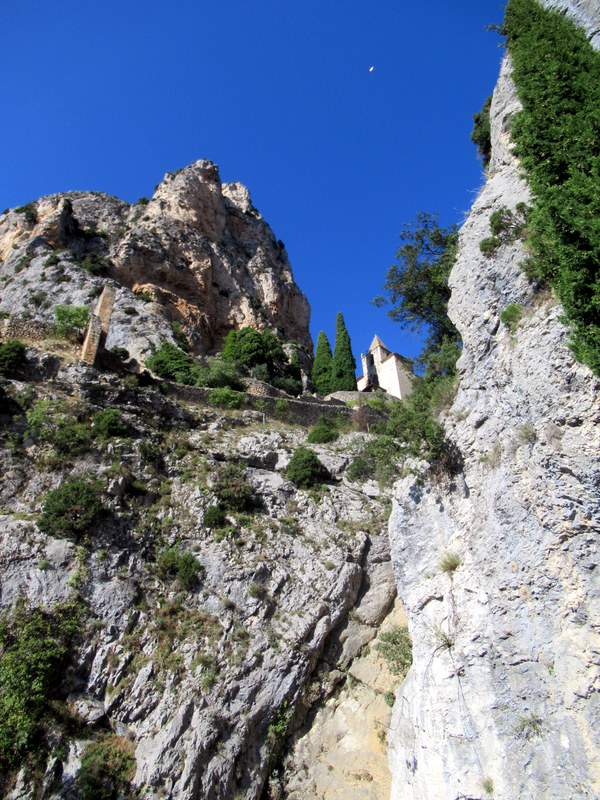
(343, 369)
(321, 371)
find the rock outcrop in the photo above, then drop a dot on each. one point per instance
(497, 566)
(197, 253)
(200, 679)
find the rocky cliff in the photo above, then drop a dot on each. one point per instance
(173, 609)
(207, 603)
(498, 566)
(197, 253)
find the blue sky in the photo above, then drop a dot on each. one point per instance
(109, 96)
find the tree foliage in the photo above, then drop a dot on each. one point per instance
(482, 132)
(305, 469)
(12, 356)
(417, 284)
(173, 364)
(557, 139)
(343, 365)
(261, 354)
(34, 644)
(71, 319)
(71, 511)
(250, 347)
(321, 371)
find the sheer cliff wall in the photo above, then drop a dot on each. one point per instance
(502, 698)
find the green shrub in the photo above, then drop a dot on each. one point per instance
(282, 408)
(54, 423)
(489, 246)
(288, 384)
(71, 511)
(501, 221)
(413, 426)
(261, 354)
(326, 429)
(323, 433)
(71, 319)
(511, 316)
(173, 364)
(214, 517)
(225, 398)
(107, 769)
(557, 74)
(34, 646)
(189, 571)
(482, 132)
(24, 262)
(30, 212)
(377, 460)
(396, 647)
(186, 567)
(12, 356)
(166, 562)
(223, 374)
(151, 454)
(107, 423)
(443, 393)
(250, 347)
(305, 469)
(180, 337)
(527, 434)
(233, 491)
(95, 264)
(506, 227)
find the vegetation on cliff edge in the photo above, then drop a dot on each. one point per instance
(557, 139)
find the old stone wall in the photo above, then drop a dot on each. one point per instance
(31, 330)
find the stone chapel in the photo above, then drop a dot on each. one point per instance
(383, 369)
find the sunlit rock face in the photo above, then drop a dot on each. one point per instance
(197, 253)
(502, 698)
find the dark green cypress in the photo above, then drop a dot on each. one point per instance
(321, 371)
(343, 369)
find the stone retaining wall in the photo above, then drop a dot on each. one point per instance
(32, 330)
(300, 410)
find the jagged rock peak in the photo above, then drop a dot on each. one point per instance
(198, 250)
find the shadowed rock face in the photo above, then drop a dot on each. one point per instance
(503, 688)
(198, 249)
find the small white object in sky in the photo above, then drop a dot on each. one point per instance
(371, 69)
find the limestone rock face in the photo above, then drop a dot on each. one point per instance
(203, 679)
(503, 696)
(198, 253)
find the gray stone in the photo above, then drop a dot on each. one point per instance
(502, 667)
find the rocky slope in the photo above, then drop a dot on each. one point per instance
(197, 253)
(199, 681)
(498, 566)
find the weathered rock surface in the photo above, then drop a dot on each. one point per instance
(340, 753)
(195, 679)
(502, 697)
(197, 253)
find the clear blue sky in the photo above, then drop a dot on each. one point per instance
(110, 95)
